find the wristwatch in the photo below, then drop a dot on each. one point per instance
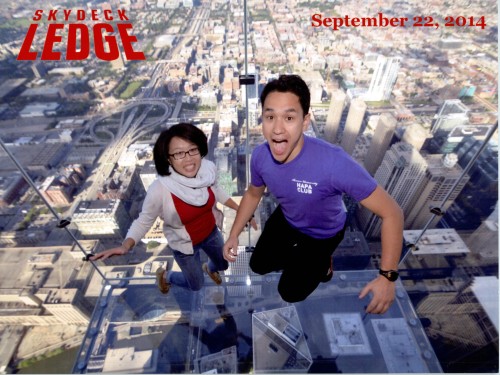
(390, 275)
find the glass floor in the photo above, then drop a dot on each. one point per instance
(244, 326)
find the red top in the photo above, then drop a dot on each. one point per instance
(198, 220)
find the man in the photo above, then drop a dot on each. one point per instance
(308, 177)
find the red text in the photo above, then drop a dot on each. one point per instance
(101, 33)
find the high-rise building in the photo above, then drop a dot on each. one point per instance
(315, 82)
(401, 174)
(214, 73)
(102, 219)
(383, 79)
(451, 114)
(480, 195)
(484, 240)
(127, 360)
(459, 133)
(68, 306)
(253, 90)
(415, 134)
(253, 113)
(380, 142)
(58, 195)
(11, 188)
(442, 174)
(435, 249)
(241, 163)
(473, 331)
(316, 90)
(334, 115)
(222, 162)
(148, 174)
(353, 124)
(32, 296)
(281, 330)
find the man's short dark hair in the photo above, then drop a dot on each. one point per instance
(186, 131)
(289, 83)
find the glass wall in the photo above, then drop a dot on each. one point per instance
(409, 89)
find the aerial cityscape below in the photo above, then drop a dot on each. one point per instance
(408, 88)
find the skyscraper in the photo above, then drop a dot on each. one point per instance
(383, 79)
(484, 240)
(148, 174)
(442, 173)
(451, 114)
(401, 174)
(353, 123)
(102, 219)
(68, 305)
(415, 134)
(334, 115)
(253, 90)
(380, 142)
(473, 331)
(480, 195)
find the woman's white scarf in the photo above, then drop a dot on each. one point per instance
(192, 190)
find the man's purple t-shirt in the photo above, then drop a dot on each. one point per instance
(309, 188)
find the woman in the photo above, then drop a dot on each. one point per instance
(184, 196)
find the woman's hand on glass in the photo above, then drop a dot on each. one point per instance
(120, 250)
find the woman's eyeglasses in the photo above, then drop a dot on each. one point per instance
(182, 154)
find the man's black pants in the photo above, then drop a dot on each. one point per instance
(304, 260)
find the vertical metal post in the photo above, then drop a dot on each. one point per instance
(247, 142)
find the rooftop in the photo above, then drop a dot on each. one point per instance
(437, 241)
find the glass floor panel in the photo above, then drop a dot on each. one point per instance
(244, 326)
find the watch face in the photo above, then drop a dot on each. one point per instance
(390, 275)
(393, 276)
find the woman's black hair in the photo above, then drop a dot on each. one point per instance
(186, 131)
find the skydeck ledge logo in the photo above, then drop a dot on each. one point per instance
(105, 37)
